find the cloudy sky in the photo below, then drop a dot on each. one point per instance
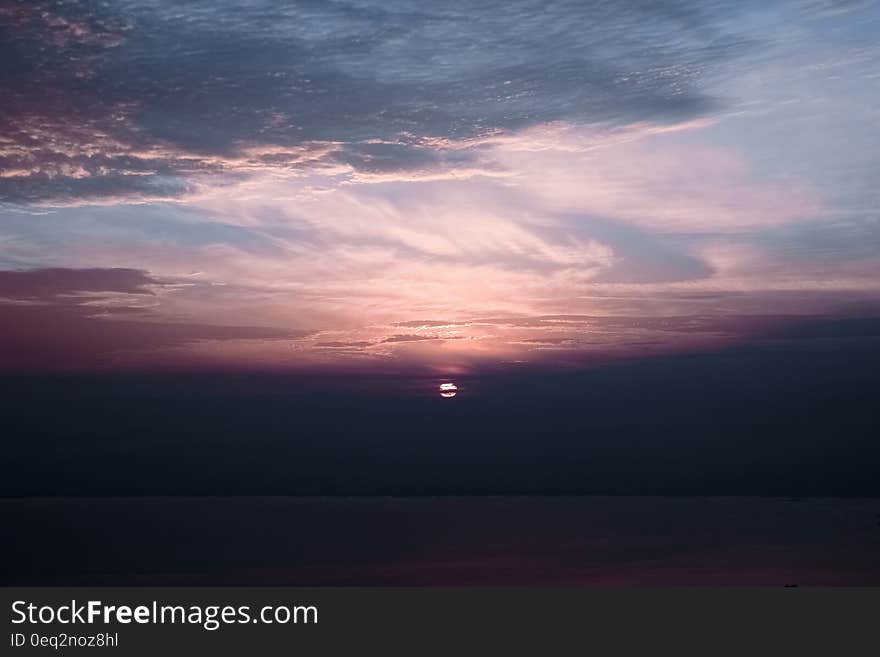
(443, 187)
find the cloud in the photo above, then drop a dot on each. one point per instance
(409, 338)
(71, 320)
(659, 180)
(50, 284)
(137, 98)
(68, 319)
(383, 175)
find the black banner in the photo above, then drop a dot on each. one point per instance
(332, 621)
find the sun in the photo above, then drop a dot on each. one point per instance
(448, 390)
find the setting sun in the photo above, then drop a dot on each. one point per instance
(448, 390)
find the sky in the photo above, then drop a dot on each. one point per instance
(443, 188)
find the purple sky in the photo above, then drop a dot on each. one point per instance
(441, 188)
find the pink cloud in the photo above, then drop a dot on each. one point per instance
(359, 261)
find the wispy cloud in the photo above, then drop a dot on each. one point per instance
(113, 104)
(365, 181)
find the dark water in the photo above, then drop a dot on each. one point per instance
(689, 471)
(616, 541)
(779, 422)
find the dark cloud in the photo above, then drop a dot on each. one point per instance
(52, 321)
(827, 328)
(394, 156)
(49, 284)
(410, 338)
(135, 97)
